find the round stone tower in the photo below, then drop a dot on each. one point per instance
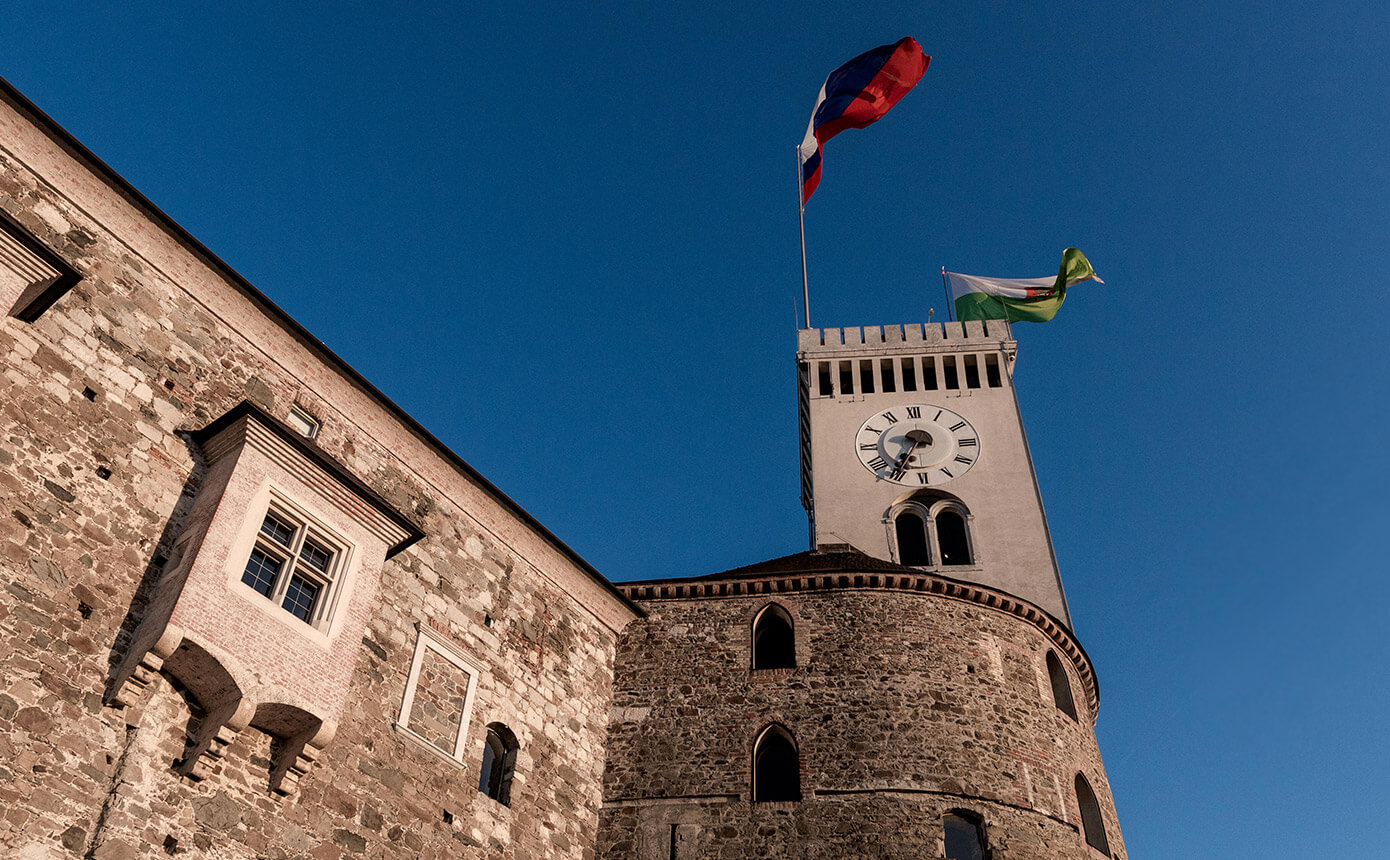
(910, 686)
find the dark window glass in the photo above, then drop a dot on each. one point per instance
(261, 570)
(315, 556)
(948, 369)
(866, 376)
(499, 762)
(823, 378)
(1091, 822)
(300, 597)
(912, 540)
(277, 530)
(950, 534)
(846, 378)
(1061, 686)
(972, 372)
(776, 769)
(928, 374)
(909, 375)
(964, 841)
(992, 371)
(774, 646)
(886, 372)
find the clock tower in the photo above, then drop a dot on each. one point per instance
(913, 451)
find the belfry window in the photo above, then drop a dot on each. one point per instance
(774, 645)
(965, 838)
(1091, 823)
(499, 764)
(294, 565)
(951, 538)
(912, 540)
(1061, 685)
(931, 529)
(776, 767)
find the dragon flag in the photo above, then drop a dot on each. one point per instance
(1019, 299)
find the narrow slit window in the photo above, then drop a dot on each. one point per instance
(928, 374)
(1061, 685)
(774, 643)
(866, 376)
(992, 372)
(972, 371)
(886, 368)
(909, 374)
(825, 387)
(499, 764)
(948, 370)
(1091, 822)
(846, 377)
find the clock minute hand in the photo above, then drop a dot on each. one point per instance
(900, 467)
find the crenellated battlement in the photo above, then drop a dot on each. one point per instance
(958, 336)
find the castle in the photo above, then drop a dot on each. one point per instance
(253, 609)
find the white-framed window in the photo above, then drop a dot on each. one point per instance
(439, 694)
(297, 564)
(302, 422)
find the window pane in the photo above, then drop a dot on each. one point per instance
(277, 530)
(301, 596)
(261, 570)
(950, 534)
(774, 646)
(315, 556)
(777, 769)
(912, 540)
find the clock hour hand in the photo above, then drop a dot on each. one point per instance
(915, 437)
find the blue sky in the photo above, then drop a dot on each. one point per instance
(542, 227)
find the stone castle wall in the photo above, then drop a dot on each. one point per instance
(98, 476)
(904, 706)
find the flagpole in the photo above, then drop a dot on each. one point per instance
(801, 219)
(947, 290)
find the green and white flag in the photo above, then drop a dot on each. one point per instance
(1019, 299)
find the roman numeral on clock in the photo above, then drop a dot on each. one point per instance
(914, 412)
(955, 427)
(890, 417)
(947, 472)
(867, 447)
(922, 477)
(878, 463)
(967, 443)
(966, 460)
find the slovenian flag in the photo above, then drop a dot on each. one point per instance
(857, 94)
(1019, 299)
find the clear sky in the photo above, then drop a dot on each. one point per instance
(563, 236)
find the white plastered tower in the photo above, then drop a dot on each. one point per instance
(916, 428)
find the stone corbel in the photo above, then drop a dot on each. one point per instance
(130, 690)
(297, 755)
(219, 729)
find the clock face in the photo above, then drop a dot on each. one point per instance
(917, 445)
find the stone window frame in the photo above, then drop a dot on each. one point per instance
(337, 582)
(780, 731)
(45, 276)
(1059, 682)
(1092, 819)
(974, 820)
(427, 638)
(497, 765)
(927, 512)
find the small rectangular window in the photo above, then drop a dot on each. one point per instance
(825, 387)
(866, 376)
(928, 373)
(992, 371)
(948, 372)
(909, 366)
(303, 423)
(886, 368)
(972, 371)
(846, 377)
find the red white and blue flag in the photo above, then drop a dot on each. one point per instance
(857, 94)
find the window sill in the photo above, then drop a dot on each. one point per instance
(769, 675)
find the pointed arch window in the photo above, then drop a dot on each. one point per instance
(776, 766)
(964, 836)
(774, 642)
(1061, 685)
(1091, 823)
(499, 764)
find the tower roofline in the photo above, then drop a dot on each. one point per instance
(913, 338)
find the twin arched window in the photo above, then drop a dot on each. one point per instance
(924, 533)
(776, 766)
(499, 763)
(1092, 826)
(774, 645)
